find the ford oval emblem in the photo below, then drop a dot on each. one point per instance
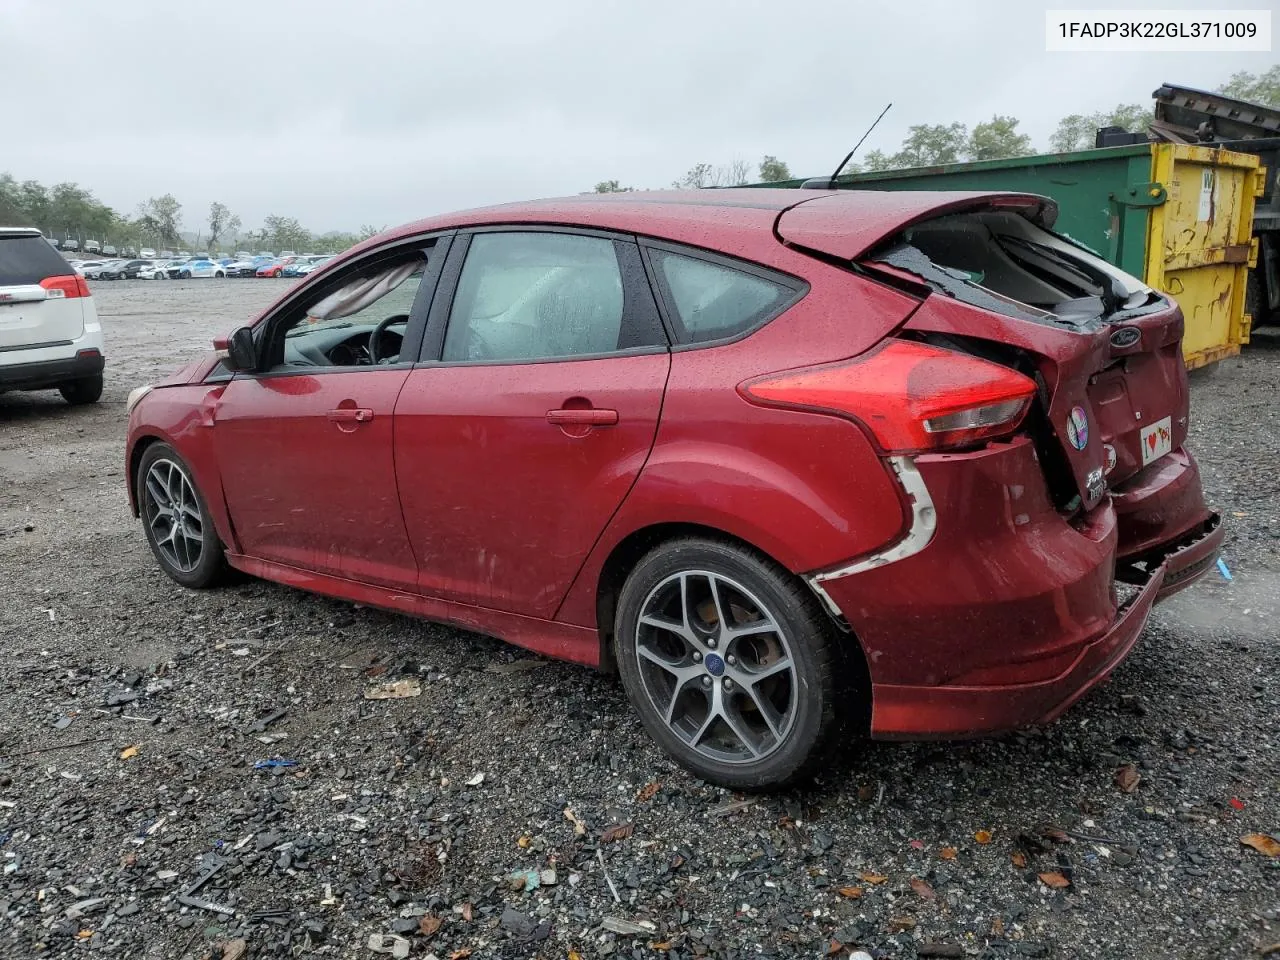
(1078, 428)
(1125, 337)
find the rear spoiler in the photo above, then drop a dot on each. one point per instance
(847, 224)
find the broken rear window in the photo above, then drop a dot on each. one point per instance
(1002, 262)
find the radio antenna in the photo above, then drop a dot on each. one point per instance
(849, 156)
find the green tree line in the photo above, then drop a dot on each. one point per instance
(68, 211)
(928, 145)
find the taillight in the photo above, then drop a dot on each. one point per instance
(912, 396)
(74, 286)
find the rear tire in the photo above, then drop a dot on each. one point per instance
(191, 554)
(1254, 301)
(741, 688)
(82, 391)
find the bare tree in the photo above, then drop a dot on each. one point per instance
(732, 174)
(221, 221)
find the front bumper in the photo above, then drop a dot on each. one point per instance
(1008, 613)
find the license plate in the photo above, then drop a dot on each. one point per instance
(1157, 440)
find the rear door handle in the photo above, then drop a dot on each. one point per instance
(591, 416)
(351, 415)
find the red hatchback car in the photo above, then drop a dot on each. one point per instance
(784, 459)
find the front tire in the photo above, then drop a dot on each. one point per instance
(176, 521)
(729, 661)
(185, 275)
(82, 391)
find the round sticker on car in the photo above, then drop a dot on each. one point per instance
(1078, 428)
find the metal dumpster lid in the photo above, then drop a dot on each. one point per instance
(847, 223)
(1188, 115)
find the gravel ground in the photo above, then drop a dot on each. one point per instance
(129, 756)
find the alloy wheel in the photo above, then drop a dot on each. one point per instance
(173, 515)
(716, 666)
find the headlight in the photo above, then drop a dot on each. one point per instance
(135, 396)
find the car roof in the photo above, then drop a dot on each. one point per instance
(20, 232)
(739, 221)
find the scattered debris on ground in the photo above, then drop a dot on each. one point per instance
(521, 811)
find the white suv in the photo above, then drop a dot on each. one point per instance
(50, 336)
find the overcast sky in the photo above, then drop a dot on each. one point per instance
(344, 112)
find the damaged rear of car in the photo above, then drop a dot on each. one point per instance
(1049, 385)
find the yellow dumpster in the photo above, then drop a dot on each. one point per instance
(1200, 244)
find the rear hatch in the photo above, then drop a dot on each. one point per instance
(41, 296)
(1103, 348)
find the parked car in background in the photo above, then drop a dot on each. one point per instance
(132, 269)
(50, 337)
(52, 242)
(863, 451)
(269, 268)
(110, 270)
(166, 254)
(173, 266)
(244, 267)
(201, 268)
(110, 251)
(266, 253)
(146, 253)
(93, 246)
(311, 265)
(79, 265)
(92, 268)
(70, 243)
(154, 270)
(291, 269)
(243, 255)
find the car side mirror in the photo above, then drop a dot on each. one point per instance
(241, 353)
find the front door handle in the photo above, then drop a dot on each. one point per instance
(590, 417)
(351, 415)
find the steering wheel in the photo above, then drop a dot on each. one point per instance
(375, 336)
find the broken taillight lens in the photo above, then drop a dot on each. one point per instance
(912, 396)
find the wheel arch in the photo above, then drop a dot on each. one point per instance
(136, 452)
(628, 551)
(854, 689)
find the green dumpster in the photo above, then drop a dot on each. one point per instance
(1179, 216)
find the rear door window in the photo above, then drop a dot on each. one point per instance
(529, 295)
(26, 260)
(711, 300)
